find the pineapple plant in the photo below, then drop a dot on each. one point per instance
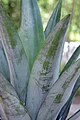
(31, 86)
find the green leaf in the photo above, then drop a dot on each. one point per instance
(15, 54)
(10, 106)
(65, 110)
(75, 116)
(60, 93)
(73, 58)
(54, 19)
(4, 69)
(46, 67)
(31, 30)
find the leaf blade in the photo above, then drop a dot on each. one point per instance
(54, 19)
(60, 93)
(31, 29)
(42, 77)
(63, 113)
(15, 54)
(73, 58)
(10, 106)
(4, 69)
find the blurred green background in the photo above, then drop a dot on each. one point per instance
(46, 8)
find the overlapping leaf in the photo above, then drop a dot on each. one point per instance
(10, 106)
(4, 69)
(59, 93)
(54, 19)
(31, 30)
(75, 116)
(46, 68)
(17, 60)
(64, 111)
(74, 57)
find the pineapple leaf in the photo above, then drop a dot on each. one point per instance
(73, 58)
(31, 30)
(75, 116)
(65, 110)
(15, 54)
(4, 69)
(10, 106)
(60, 93)
(54, 19)
(46, 67)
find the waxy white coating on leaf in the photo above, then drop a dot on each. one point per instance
(47, 96)
(15, 54)
(59, 93)
(10, 106)
(31, 29)
(4, 69)
(46, 68)
(65, 109)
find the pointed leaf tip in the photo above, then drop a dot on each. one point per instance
(68, 16)
(54, 19)
(31, 29)
(46, 67)
(67, 19)
(73, 58)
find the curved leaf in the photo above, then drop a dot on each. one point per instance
(46, 68)
(54, 19)
(4, 69)
(60, 93)
(10, 106)
(31, 30)
(75, 116)
(64, 111)
(17, 60)
(73, 58)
